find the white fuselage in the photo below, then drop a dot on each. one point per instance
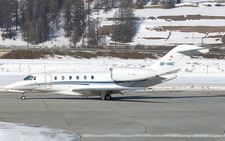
(87, 84)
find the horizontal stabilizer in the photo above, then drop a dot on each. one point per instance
(196, 50)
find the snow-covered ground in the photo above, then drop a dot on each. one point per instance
(23, 132)
(196, 74)
(147, 25)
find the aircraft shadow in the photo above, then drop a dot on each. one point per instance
(97, 98)
(114, 99)
(125, 98)
(141, 98)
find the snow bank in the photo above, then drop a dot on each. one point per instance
(22, 132)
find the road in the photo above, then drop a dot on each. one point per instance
(135, 116)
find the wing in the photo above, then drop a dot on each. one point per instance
(91, 91)
(105, 89)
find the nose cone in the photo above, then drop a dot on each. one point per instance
(15, 87)
(10, 86)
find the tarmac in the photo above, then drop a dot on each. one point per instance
(135, 116)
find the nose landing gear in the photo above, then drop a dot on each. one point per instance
(23, 97)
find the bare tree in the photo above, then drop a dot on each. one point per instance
(168, 3)
(9, 17)
(68, 26)
(75, 36)
(54, 15)
(35, 20)
(154, 2)
(105, 4)
(39, 35)
(223, 39)
(141, 3)
(92, 32)
(125, 25)
(78, 18)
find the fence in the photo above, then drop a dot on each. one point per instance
(121, 48)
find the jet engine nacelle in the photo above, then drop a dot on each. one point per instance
(131, 74)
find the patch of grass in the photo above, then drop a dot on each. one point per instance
(190, 17)
(153, 38)
(173, 18)
(28, 54)
(215, 36)
(109, 29)
(200, 29)
(152, 18)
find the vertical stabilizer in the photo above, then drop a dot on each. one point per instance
(174, 60)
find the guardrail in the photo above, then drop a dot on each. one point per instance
(118, 48)
(121, 48)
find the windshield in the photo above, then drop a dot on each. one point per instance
(29, 77)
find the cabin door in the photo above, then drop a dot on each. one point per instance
(48, 81)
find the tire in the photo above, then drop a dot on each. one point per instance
(108, 97)
(23, 97)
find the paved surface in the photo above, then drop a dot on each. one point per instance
(136, 116)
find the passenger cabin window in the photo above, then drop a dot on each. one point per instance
(55, 77)
(29, 77)
(85, 77)
(77, 77)
(92, 77)
(70, 77)
(63, 77)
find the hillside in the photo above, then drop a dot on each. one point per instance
(188, 23)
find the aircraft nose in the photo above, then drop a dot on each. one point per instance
(10, 86)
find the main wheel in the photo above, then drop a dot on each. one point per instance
(23, 97)
(108, 97)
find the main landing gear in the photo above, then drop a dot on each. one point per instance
(23, 97)
(108, 97)
(105, 96)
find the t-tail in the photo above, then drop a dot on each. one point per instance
(168, 66)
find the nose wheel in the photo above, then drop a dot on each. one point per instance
(23, 97)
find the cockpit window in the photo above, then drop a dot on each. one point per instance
(29, 77)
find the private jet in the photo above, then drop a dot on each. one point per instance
(114, 81)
